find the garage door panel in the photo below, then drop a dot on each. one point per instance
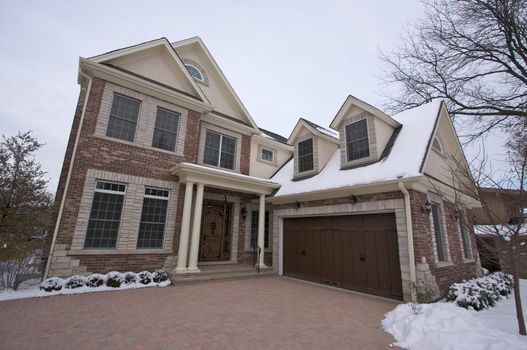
(383, 268)
(370, 259)
(338, 255)
(394, 263)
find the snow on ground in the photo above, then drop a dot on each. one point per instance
(443, 325)
(29, 289)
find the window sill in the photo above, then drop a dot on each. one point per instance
(135, 144)
(273, 163)
(441, 264)
(117, 252)
(235, 170)
(468, 261)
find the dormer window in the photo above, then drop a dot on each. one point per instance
(194, 72)
(357, 143)
(305, 155)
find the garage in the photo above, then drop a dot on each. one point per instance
(358, 252)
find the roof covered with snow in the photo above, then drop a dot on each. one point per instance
(321, 129)
(404, 160)
(273, 136)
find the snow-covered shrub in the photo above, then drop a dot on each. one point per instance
(75, 282)
(95, 280)
(481, 293)
(130, 278)
(114, 279)
(159, 276)
(51, 284)
(145, 277)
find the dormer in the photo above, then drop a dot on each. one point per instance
(313, 147)
(364, 132)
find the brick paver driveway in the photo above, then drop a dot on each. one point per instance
(269, 313)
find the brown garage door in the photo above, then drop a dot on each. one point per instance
(358, 252)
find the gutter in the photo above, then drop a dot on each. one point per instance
(410, 231)
(68, 178)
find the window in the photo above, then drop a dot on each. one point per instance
(437, 145)
(105, 215)
(267, 155)
(219, 150)
(305, 155)
(254, 229)
(165, 129)
(122, 121)
(153, 218)
(464, 236)
(438, 232)
(194, 72)
(357, 143)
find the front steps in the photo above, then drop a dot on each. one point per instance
(219, 273)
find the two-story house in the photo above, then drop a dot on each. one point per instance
(165, 168)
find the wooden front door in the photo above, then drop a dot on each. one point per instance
(215, 240)
(357, 252)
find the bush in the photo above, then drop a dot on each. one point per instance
(145, 277)
(52, 284)
(481, 293)
(95, 280)
(75, 282)
(130, 278)
(114, 279)
(160, 276)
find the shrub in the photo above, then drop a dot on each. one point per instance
(75, 282)
(160, 276)
(481, 293)
(145, 277)
(130, 278)
(114, 279)
(95, 280)
(51, 284)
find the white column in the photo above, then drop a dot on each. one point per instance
(196, 230)
(185, 226)
(261, 230)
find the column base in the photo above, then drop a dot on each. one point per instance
(180, 270)
(262, 266)
(193, 270)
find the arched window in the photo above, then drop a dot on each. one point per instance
(437, 145)
(194, 72)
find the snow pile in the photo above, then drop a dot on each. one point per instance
(444, 325)
(481, 293)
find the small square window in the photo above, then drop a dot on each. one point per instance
(267, 155)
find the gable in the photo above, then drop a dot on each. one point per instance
(216, 87)
(154, 60)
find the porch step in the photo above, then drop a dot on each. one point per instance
(219, 273)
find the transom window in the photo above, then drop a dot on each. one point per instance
(305, 155)
(267, 155)
(438, 232)
(254, 229)
(165, 129)
(122, 121)
(105, 215)
(153, 218)
(194, 72)
(357, 143)
(219, 150)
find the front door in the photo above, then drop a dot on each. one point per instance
(215, 231)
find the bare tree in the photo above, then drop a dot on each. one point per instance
(473, 54)
(24, 207)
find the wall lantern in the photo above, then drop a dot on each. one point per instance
(244, 212)
(353, 199)
(427, 208)
(297, 204)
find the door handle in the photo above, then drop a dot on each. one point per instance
(362, 258)
(303, 252)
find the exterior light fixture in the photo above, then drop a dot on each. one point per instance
(427, 207)
(353, 199)
(244, 212)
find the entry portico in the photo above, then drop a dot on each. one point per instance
(200, 176)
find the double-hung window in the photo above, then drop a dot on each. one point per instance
(357, 144)
(305, 155)
(105, 215)
(122, 121)
(464, 235)
(166, 129)
(220, 150)
(254, 229)
(439, 232)
(153, 218)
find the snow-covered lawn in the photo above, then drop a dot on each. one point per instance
(29, 289)
(444, 325)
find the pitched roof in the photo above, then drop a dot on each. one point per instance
(404, 160)
(274, 136)
(313, 128)
(321, 128)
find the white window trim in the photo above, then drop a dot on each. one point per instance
(301, 172)
(221, 147)
(441, 150)
(260, 158)
(250, 208)
(350, 161)
(167, 199)
(203, 135)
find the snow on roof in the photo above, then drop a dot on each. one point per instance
(504, 230)
(322, 129)
(404, 160)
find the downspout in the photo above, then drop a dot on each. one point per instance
(68, 177)
(410, 231)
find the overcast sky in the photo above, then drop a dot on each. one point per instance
(285, 59)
